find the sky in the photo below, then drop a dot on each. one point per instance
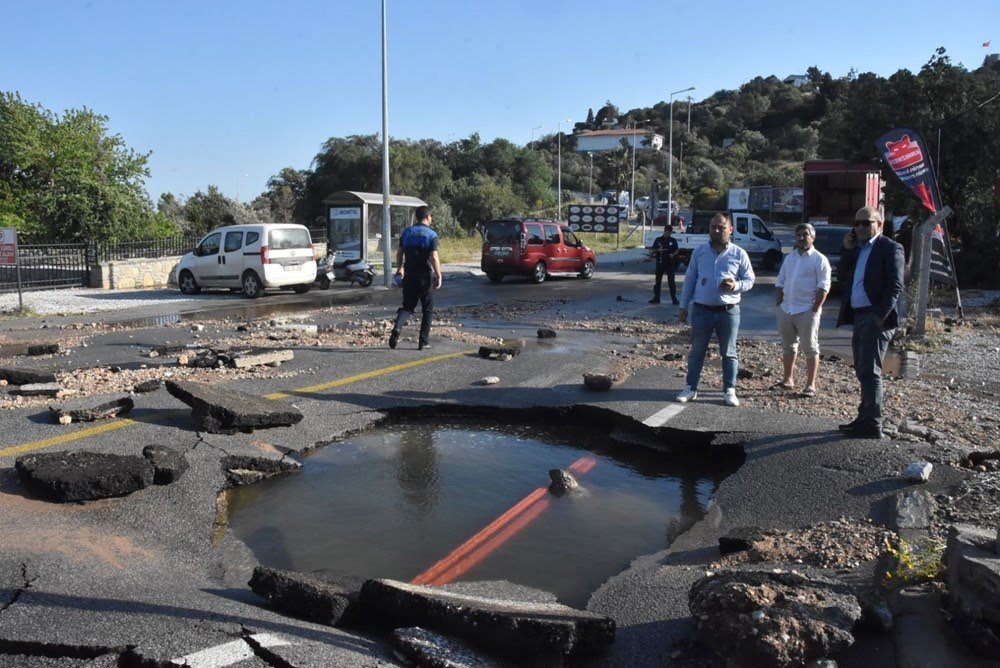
(227, 93)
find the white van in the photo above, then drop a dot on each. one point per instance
(250, 258)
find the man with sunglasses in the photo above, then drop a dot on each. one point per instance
(871, 272)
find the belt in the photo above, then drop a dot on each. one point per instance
(718, 308)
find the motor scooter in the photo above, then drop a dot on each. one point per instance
(354, 271)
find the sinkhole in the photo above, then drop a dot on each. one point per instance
(433, 501)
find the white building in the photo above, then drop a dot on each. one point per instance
(608, 140)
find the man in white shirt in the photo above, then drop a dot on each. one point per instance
(802, 286)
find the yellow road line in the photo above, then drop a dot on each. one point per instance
(65, 438)
(125, 422)
(364, 376)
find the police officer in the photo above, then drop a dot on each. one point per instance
(665, 252)
(418, 255)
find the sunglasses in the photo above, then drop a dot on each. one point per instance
(863, 223)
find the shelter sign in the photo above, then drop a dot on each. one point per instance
(596, 218)
(8, 246)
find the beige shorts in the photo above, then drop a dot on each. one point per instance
(801, 327)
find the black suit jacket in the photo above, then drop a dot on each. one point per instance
(883, 281)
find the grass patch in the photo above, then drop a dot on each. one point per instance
(914, 562)
(19, 312)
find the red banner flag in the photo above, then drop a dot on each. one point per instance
(986, 43)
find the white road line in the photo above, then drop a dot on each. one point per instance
(660, 418)
(228, 653)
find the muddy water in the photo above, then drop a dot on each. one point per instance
(396, 500)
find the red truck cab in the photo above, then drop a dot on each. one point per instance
(533, 248)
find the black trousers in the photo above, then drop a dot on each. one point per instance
(417, 288)
(669, 270)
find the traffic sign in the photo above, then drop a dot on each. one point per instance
(8, 245)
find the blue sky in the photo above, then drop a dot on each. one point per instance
(228, 93)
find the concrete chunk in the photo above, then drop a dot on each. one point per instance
(324, 596)
(82, 476)
(600, 382)
(243, 360)
(505, 625)
(84, 410)
(23, 376)
(973, 572)
(913, 509)
(43, 349)
(168, 464)
(38, 390)
(223, 411)
(434, 650)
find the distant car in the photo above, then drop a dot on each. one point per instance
(250, 258)
(533, 248)
(830, 242)
(642, 203)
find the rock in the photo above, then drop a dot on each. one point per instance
(222, 411)
(973, 569)
(38, 390)
(297, 327)
(740, 540)
(43, 349)
(498, 352)
(245, 470)
(65, 419)
(245, 359)
(23, 376)
(167, 349)
(434, 650)
(83, 410)
(168, 464)
(490, 380)
(546, 333)
(918, 471)
(744, 374)
(82, 476)
(913, 509)
(148, 386)
(324, 597)
(672, 357)
(197, 328)
(514, 627)
(600, 382)
(805, 618)
(562, 482)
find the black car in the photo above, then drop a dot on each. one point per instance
(830, 242)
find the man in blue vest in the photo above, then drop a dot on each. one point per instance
(419, 267)
(871, 272)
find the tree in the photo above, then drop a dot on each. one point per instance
(64, 177)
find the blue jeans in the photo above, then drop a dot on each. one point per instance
(869, 343)
(725, 325)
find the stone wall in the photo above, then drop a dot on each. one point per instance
(138, 273)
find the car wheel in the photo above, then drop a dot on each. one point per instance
(302, 289)
(187, 284)
(495, 278)
(324, 283)
(252, 287)
(538, 275)
(771, 259)
(588, 269)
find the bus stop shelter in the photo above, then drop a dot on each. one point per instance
(354, 222)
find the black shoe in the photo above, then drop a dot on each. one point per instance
(865, 430)
(851, 426)
(393, 338)
(424, 346)
(654, 300)
(676, 302)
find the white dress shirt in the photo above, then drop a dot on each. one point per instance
(800, 276)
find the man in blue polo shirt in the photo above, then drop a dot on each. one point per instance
(418, 256)
(718, 273)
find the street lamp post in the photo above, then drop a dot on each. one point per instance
(386, 227)
(559, 178)
(631, 200)
(537, 127)
(670, 168)
(590, 195)
(680, 159)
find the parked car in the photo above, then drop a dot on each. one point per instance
(533, 248)
(642, 203)
(250, 258)
(830, 242)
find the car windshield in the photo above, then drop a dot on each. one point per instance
(502, 231)
(290, 237)
(830, 241)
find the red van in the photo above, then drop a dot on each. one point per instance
(533, 248)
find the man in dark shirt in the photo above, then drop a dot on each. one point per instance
(418, 255)
(665, 251)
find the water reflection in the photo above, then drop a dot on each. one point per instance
(394, 501)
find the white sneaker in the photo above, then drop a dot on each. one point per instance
(730, 397)
(687, 394)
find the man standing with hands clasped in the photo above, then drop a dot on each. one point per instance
(871, 271)
(802, 285)
(664, 251)
(418, 255)
(718, 273)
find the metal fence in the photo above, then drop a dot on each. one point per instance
(48, 266)
(145, 248)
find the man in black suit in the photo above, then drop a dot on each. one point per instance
(871, 273)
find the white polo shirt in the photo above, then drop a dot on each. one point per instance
(800, 276)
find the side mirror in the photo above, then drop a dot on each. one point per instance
(197, 251)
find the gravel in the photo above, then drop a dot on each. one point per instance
(87, 300)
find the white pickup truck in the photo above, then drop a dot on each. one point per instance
(749, 233)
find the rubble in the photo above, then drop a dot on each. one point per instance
(224, 411)
(323, 597)
(39, 390)
(436, 650)
(82, 411)
(563, 482)
(83, 476)
(24, 376)
(918, 471)
(168, 464)
(600, 382)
